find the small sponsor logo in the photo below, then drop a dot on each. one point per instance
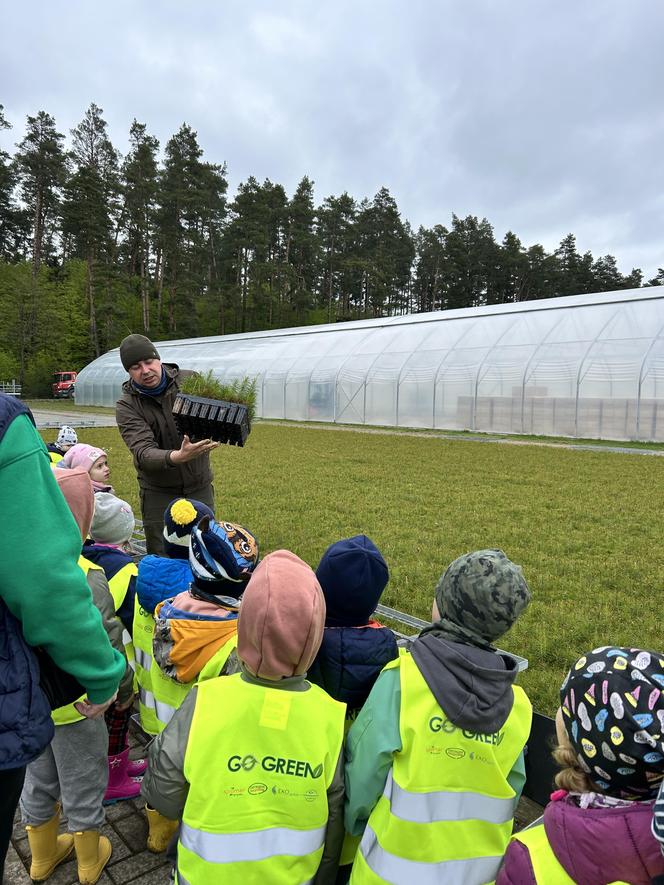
(256, 789)
(455, 752)
(234, 791)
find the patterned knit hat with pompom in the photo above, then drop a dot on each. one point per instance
(180, 517)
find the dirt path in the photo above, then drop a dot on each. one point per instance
(586, 447)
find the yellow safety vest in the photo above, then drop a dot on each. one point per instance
(54, 457)
(119, 585)
(547, 868)
(447, 809)
(259, 762)
(68, 714)
(159, 696)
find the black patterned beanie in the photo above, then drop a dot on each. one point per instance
(613, 709)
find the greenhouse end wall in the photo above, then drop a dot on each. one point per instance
(584, 366)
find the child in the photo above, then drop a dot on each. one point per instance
(352, 574)
(74, 767)
(95, 462)
(161, 577)
(435, 756)
(253, 762)
(112, 527)
(66, 439)
(596, 829)
(195, 632)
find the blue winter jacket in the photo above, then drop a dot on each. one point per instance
(161, 578)
(349, 661)
(26, 726)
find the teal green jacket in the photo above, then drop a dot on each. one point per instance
(40, 580)
(371, 743)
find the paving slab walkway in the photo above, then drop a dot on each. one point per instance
(125, 826)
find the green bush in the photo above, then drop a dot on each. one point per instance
(241, 390)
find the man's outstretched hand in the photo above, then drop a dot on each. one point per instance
(189, 450)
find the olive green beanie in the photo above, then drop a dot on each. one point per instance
(135, 348)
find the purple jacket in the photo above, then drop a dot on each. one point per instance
(594, 845)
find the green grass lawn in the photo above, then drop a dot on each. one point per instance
(585, 526)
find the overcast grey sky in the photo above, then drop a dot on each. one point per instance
(546, 117)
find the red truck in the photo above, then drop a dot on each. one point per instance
(63, 385)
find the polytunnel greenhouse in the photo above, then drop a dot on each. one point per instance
(584, 366)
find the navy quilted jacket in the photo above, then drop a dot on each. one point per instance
(349, 661)
(26, 726)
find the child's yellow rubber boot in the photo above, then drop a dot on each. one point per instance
(93, 852)
(160, 830)
(48, 849)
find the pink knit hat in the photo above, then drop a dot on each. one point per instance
(82, 455)
(281, 618)
(76, 486)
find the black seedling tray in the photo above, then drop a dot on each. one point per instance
(202, 418)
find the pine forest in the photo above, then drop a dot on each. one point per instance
(94, 245)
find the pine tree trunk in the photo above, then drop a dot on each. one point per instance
(145, 296)
(94, 338)
(39, 232)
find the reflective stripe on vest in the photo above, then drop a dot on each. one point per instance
(68, 714)
(245, 847)
(158, 696)
(447, 808)
(423, 808)
(374, 864)
(164, 712)
(259, 814)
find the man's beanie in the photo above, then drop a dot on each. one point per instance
(483, 593)
(113, 521)
(135, 348)
(222, 557)
(281, 618)
(180, 517)
(352, 574)
(67, 436)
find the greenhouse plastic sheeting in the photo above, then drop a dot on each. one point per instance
(583, 366)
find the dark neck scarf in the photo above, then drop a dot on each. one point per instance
(153, 391)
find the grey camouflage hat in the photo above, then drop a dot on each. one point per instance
(482, 594)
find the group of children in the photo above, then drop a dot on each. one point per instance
(328, 751)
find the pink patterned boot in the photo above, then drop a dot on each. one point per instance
(120, 784)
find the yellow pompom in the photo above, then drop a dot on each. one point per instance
(183, 512)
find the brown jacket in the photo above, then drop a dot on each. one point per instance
(148, 429)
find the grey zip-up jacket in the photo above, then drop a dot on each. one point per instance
(146, 425)
(166, 788)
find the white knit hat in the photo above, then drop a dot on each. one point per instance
(113, 521)
(67, 436)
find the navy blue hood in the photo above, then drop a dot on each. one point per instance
(352, 574)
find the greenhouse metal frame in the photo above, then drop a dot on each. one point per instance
(582, 366)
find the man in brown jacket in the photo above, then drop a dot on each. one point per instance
(168, 465)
